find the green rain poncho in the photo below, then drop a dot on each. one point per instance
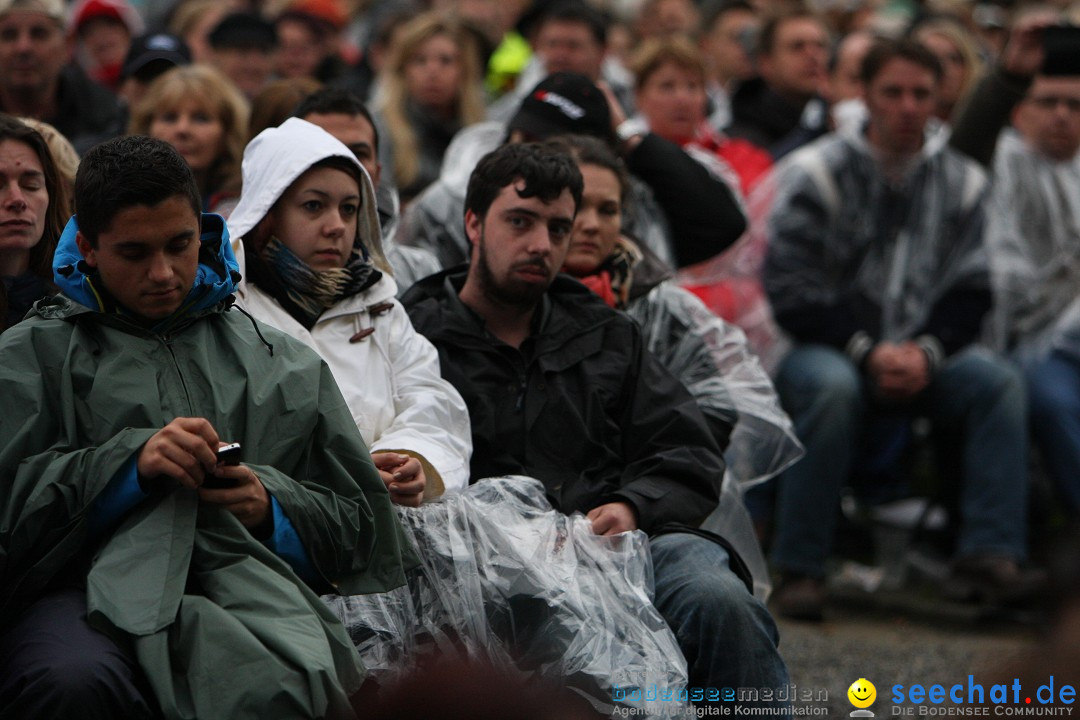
(222, 625)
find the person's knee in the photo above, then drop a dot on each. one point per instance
(95, 684)
(719, 605)
(821, 377)
(1049, 399)
(87, 681)
(983, 378)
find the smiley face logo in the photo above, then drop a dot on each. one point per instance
(862, 693)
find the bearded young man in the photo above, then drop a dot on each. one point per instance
(560, 387)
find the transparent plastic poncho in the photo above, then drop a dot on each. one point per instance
(507, 579)
(841, 233)
(1033, 237)
(730, 283)
(713, 360)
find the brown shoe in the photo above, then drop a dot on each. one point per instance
(800, 598)
(994, 579)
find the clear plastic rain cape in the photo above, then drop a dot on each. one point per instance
(712, 359)
(841, 234)
(508, 579)
(1033, 236)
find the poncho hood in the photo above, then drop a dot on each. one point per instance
(277, 157)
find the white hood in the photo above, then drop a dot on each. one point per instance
(273, 161)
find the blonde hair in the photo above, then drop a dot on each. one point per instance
(218, 96)
(965, 44)
(657, 52)
(188, 14)
(63, 152)
(470, 99)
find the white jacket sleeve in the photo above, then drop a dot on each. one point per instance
(430, 417)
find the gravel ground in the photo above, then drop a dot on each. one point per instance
(898, 637)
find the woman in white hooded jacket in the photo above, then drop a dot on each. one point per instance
(307, 237)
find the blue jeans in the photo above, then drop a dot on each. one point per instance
(975, 392)
(727, 635)
(1054, 390)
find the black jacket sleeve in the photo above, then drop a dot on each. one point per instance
(987, 111)
(703, 213)
(673, 466)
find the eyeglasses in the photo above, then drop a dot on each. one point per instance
(1050, 102)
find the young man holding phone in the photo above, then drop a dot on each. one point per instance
(128, 587)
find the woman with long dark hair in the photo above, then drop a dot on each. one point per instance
(34, 207)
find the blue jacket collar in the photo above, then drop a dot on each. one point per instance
(215, 280)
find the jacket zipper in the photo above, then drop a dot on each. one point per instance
(167, 341)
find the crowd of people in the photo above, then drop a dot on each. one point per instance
(695, 268)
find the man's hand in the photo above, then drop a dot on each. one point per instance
(248, 500)
(899, 371)
(617, 114)
(1023, 54)
(403, 475)
(184, 450)
(613, 518)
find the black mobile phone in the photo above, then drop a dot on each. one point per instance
(229, 454)
(1061, 44)
(226, 455)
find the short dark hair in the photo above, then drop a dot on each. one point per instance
(593, 151)
(714, 11)
(767, 38)
(546, 170)
(243, 31)
(127, 172)
(884, 50)
(576, 11)
(336, 101)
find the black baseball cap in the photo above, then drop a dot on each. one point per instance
(243, 31)
(153, 54)
(564, 104)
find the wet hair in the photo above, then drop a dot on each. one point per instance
(336, 101)
(546, 171)
(884, 50)
(59, 208)
(125, 172)
(593, 151)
